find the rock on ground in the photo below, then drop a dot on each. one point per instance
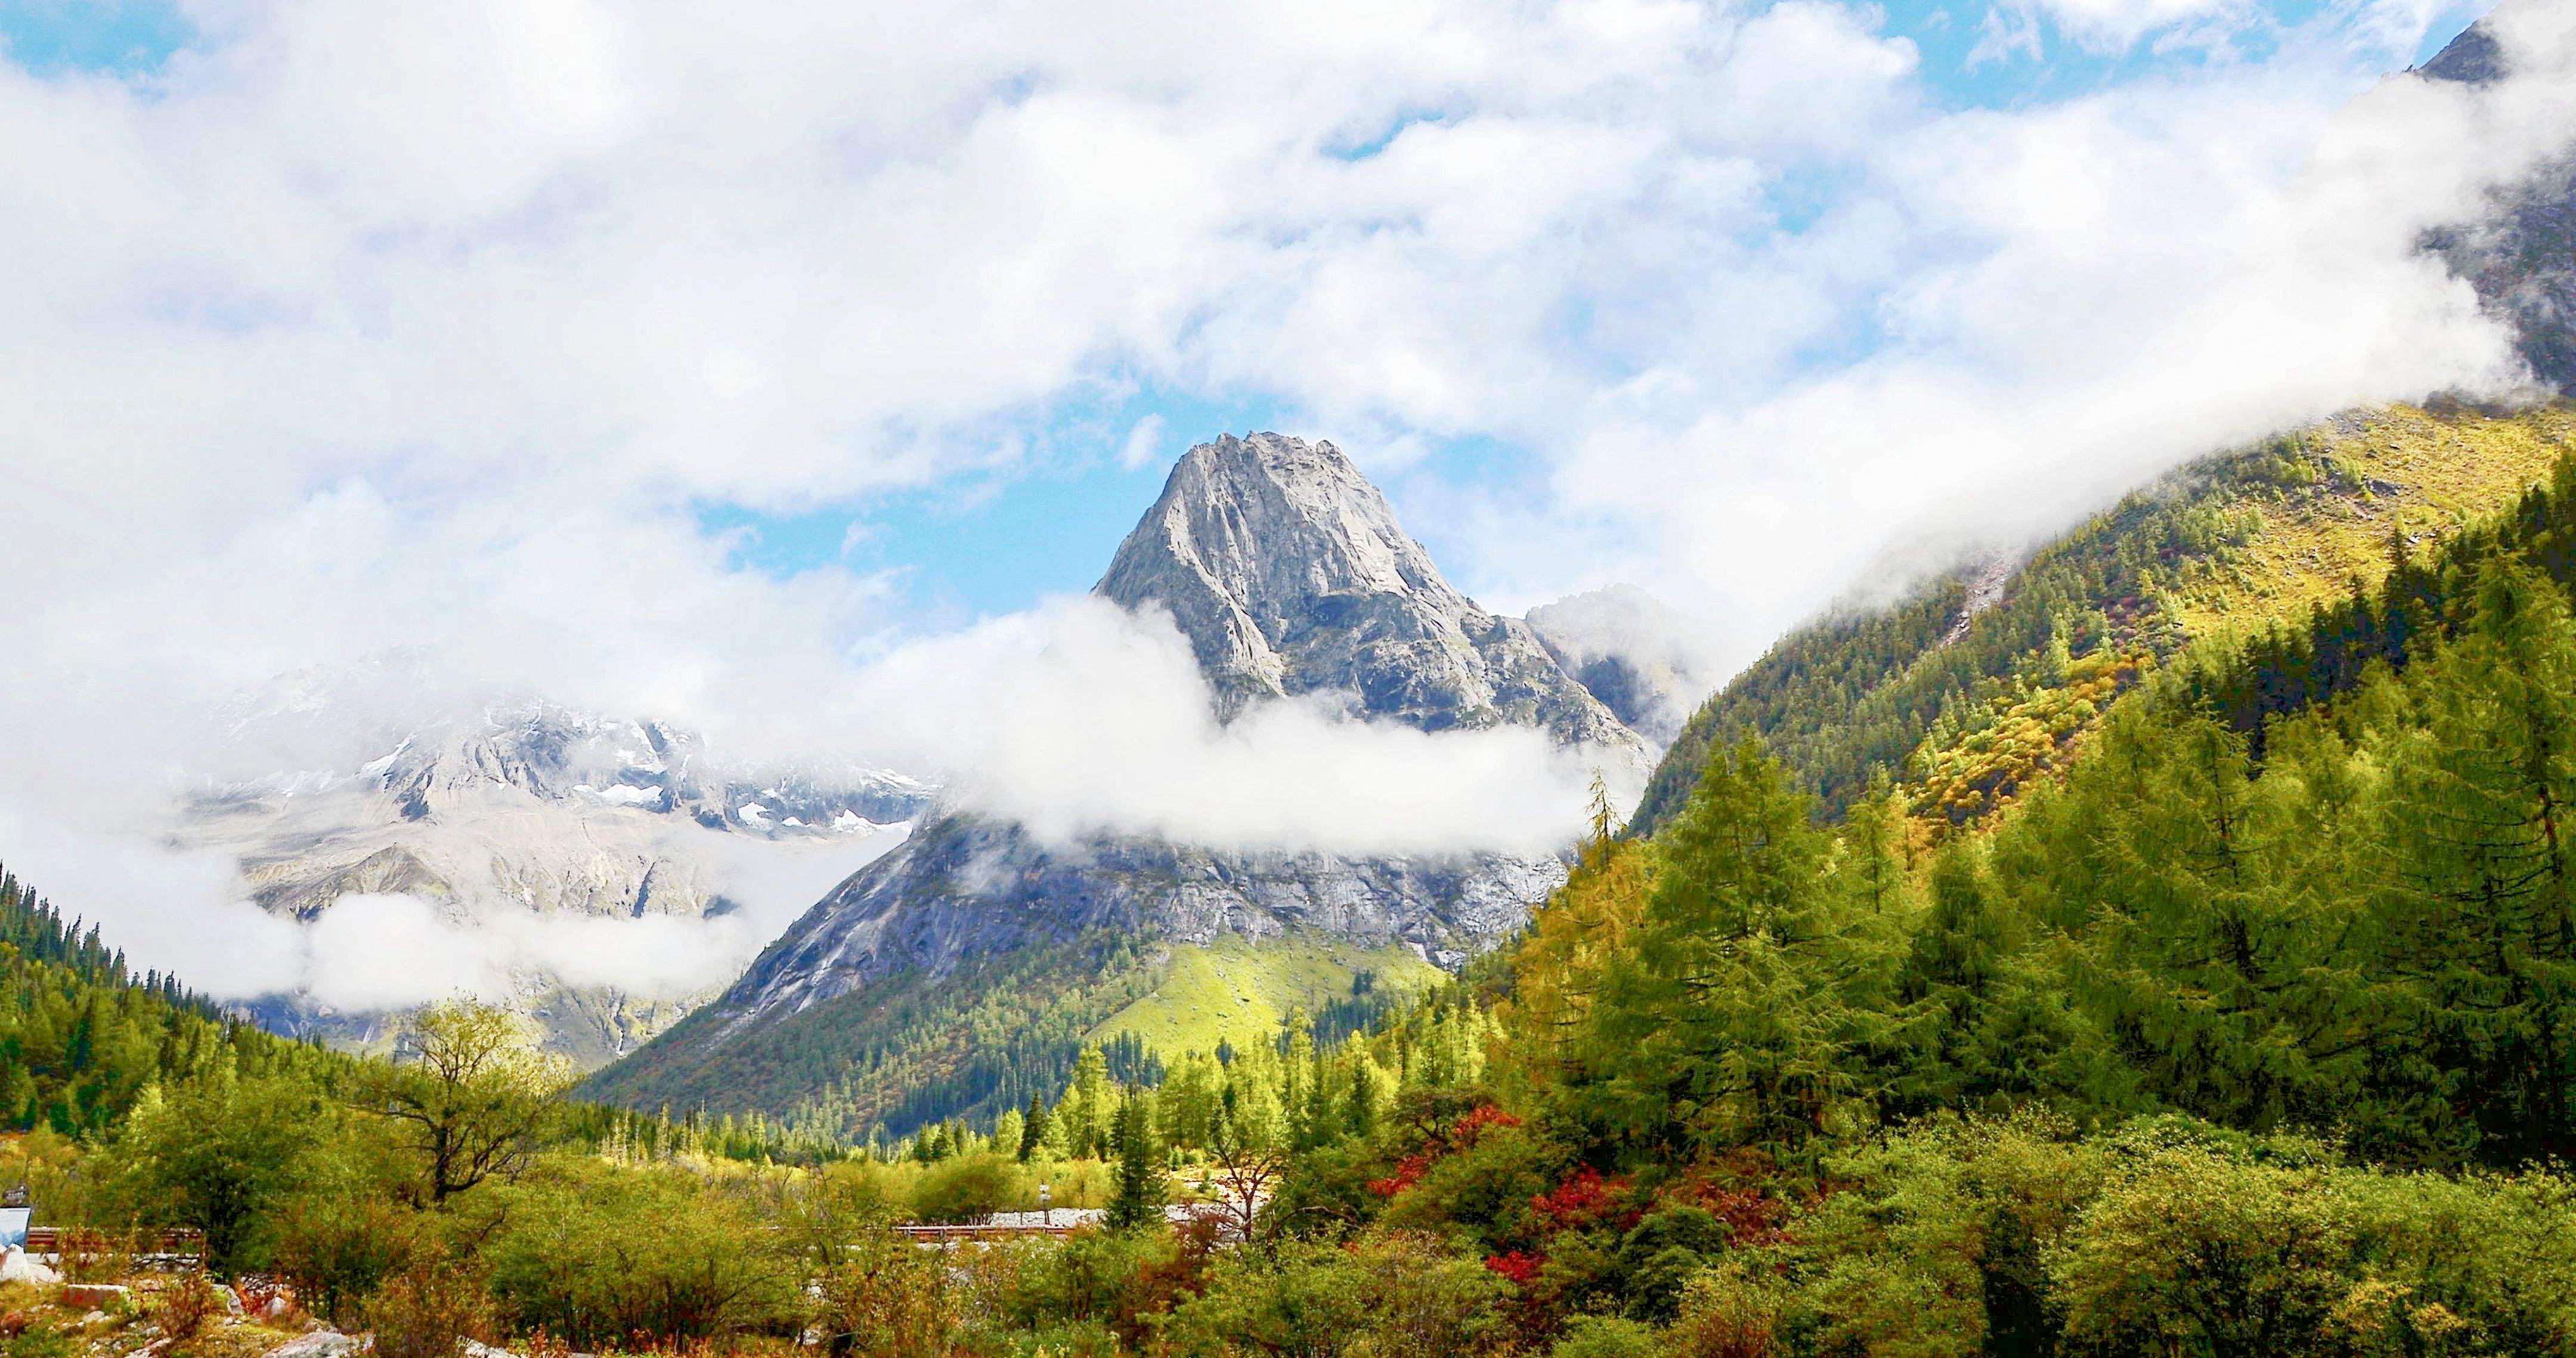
(319, 1344)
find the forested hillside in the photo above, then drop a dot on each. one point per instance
(80, 1039)
(1962, 706)
(920, 1050)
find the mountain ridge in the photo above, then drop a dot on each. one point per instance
(1292, 580)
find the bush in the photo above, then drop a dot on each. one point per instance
(218, 1153)
(429, 1310)
(887, 1298)
(1607, 1337)
(1731, 1312)
(1934, 1247)
(1097, 1277)
(967, 1189)
(185, 1305)
(340, 1248)
(1487, 1185)
(597, 1255)
(2245, 1253)
(92, 1255)
(1395, 1294)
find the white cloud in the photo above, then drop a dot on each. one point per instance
(362, 326)
(1144, 444)
(2116, 24)
(390, 952)
(1079, 718)
(2087, 293)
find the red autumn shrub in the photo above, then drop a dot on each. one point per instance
(1752, 1218)
(1464, 1132)
(1408, 1172)
(1519, 1266)
(1583, 1201)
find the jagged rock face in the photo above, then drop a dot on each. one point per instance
(561, 756)
(2520, 256)
(964, 885)
(1288, 574)
(1287, 571)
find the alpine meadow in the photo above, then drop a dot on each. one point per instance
(1620, 679)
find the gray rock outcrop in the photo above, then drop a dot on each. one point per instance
(1289, 576)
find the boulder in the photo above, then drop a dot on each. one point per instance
(96, 1296)
(319, 1344)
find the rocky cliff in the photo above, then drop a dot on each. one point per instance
(1288, 573)
(1290, 578)
(1648, 662)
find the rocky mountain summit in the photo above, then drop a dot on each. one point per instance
(1289, 576)
(1288, 573)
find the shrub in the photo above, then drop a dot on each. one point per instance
(429, 1310)
(967, 1189)
(1607, 1337)
(340, 1249)
(1095, 1276)
(1730, 1312)
(218, 1153)
(1395, 1294)
(2240, 1253)
(185, 1305)
(886, 1298)
(89, 1255)
(598, 1255)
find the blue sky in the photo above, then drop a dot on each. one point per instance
(1023, 525)
(997, 543)
(758, 376)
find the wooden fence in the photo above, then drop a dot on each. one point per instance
(177, 1244)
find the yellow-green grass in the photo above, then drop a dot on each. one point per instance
(2329, 518)
(2447, 470)
(1238, 990)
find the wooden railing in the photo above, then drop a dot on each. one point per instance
(943, 1235)
(188, 1244)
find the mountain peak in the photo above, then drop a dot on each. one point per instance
(1289, 574)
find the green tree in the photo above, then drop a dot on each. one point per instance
(1724, 1025)
(1138, 1199)
(2482, 917)
(471, 1092)
(219, 1153)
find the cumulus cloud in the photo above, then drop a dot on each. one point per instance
(358, 326)
(1079, 718)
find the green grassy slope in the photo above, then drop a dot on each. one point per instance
(2237, 540)
(1238, 991)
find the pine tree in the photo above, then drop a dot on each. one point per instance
(2482, 917)
(1137, 1200)
(1033, 1129)
(1724, 1029)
